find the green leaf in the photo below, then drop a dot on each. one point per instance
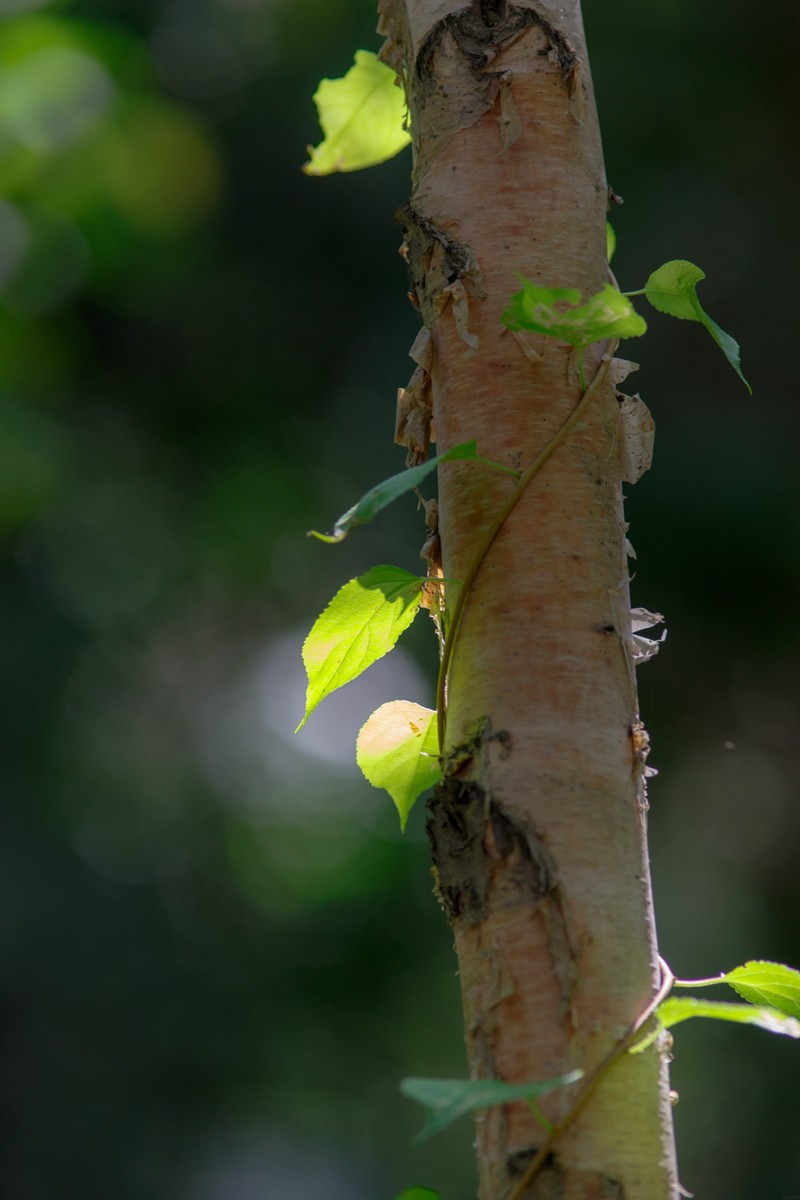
(768, 983)
(362, 623)
(362, 116)
(672, 289)
(377, 498)
(418, 1193)
(675, 1009)
(449, 1099)
(611, 241)
(398, 750)
(669, 289)
(759, 982)
(559, 312)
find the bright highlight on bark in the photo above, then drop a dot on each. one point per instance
(362, 623)
(398, 750)
(362, 116)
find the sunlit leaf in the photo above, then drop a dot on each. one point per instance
(672, 289)
(398, 750)
(559, 312)
(768, 983)
(362, 623)
(449, 1099)
(362, 117)
(759, 982)
(418, 1193)
(675, 1009)
(378, 497)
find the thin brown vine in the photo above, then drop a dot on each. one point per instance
(599, 1073)
(489, 537)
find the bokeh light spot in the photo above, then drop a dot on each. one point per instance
(161, 168)
(54, 97)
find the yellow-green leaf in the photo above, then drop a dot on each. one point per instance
(759, 982)
(361, 624)
(675, 1009)
(768, 983)
(362, 117)
(398, 750)
(559, 312)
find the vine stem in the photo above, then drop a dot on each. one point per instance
(483, 549)
(599, 1073)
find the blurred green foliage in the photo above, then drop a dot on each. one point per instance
(218, 955)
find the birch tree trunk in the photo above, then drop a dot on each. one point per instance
(538, 829)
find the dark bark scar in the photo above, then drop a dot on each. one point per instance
(553, 1180)
(472, 747)
(450, 84)
(485, 862)
(485, 27)
(474, 844)
(436, 261)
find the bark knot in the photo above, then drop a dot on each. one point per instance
(482, 30)
(555, 1182)
(483, 860)
(438, 262)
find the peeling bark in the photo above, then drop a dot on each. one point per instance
(538, 829)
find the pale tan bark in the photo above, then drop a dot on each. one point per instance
(539, 828)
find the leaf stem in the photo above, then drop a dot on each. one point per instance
(700, 983)
(490, 535)
(489, 462)
(544, 1121)
(599, 1073)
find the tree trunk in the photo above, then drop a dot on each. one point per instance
(538, 829)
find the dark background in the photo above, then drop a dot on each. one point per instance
(218, 953)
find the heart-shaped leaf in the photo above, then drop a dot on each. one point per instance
(362, 623)
(672, 289)
(398, 750)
